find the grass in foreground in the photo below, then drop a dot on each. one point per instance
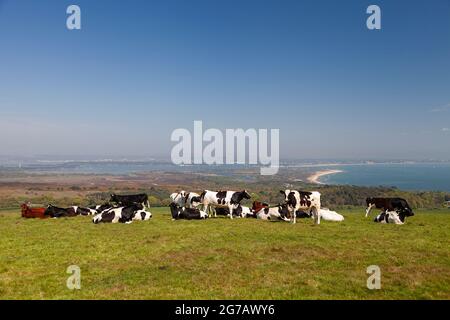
(225, 259)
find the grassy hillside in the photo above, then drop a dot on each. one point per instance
(223, 259)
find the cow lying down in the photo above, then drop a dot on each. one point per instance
(126, 214)
(325, 214)
(56, 212)
(239, 212)
(186, 213)
(281, 212)
(389, 217)
(264, 212)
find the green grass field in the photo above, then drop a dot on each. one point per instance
(225, 259)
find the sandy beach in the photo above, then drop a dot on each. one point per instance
(314, 178)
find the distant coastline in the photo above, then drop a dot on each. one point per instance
(315, 177)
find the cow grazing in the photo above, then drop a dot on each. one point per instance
(389, 204)
(128, 200)
(239, 212)
(124, 214)
(227, 199)
(389, 217)
(302, 200)
(56, 212)
(179, 212)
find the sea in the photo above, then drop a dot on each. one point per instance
(417, 176)
(405, 176)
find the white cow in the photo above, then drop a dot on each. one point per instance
(325, 214)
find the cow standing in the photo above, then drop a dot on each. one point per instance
(302, 200)
(399, 205)
(128, 200)
(227, 199)
(186, 199)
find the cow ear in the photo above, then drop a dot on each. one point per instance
(282, 192)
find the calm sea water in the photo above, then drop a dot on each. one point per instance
(423, 176)
(417, 176)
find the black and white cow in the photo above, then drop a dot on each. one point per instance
(186, 199)
(102, 207)
(179, 198)
(179, 212)
(239, 212)
(277, 213)
(128, 200)
(389, 217)
(57, 212)
(84, 211)
(126, 214)
(302, 200)
(399, 205)
(227, 199)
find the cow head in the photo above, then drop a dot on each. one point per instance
(246, 195)
(404, 210)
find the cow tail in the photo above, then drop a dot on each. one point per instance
(202, 196)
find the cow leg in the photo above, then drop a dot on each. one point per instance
(294, 219)
(368, 209)
(230, 208)
(316, 213)
(205, 208)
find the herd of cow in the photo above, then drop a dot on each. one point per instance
(186, 205)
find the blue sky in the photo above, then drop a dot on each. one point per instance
(137, 70)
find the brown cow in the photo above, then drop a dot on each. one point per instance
(28, 212)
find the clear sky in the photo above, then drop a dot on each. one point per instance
(137, 70)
